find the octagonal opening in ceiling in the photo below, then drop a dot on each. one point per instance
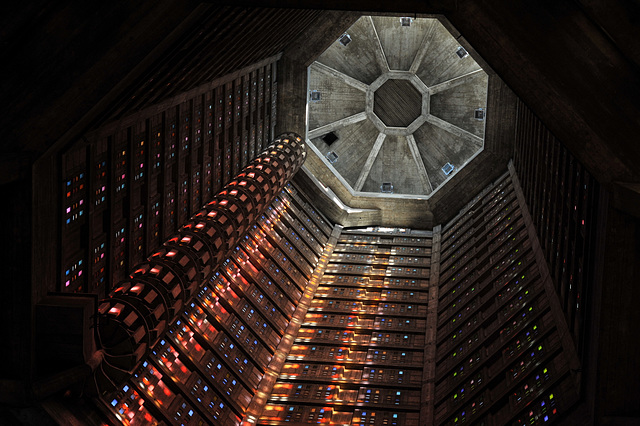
(400, 106)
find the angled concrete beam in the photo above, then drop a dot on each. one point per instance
(453, 82)
(335, 125)
(424, 48)
(424, 177)
(455, 130)
(369, 163)
(380, 56)
(320, 67)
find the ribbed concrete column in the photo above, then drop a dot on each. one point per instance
(141, 307)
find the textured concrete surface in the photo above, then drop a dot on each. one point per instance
(394, 164)
(374, 208)
(401, 44)
(438, 147)
(337, 100)
(441, 63)
(422, 134)
(351, 156)
(358, 59)
(397, 103)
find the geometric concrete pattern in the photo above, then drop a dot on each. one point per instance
(396, 110)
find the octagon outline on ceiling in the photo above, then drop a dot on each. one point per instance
(384, 130)
(397, 75)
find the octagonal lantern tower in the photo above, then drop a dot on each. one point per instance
(396, 106)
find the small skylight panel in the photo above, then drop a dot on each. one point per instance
(314, 96)
(461, 52)
(345, 39)
(386, 187)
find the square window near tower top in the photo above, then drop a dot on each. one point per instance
(345, 39)
(332, 157)
(461, 52)
(447, 168)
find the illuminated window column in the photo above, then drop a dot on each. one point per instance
(502, 354)
(358, 356)
(142, 306)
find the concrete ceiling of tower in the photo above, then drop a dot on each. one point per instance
(575, 65)
(69, 67)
